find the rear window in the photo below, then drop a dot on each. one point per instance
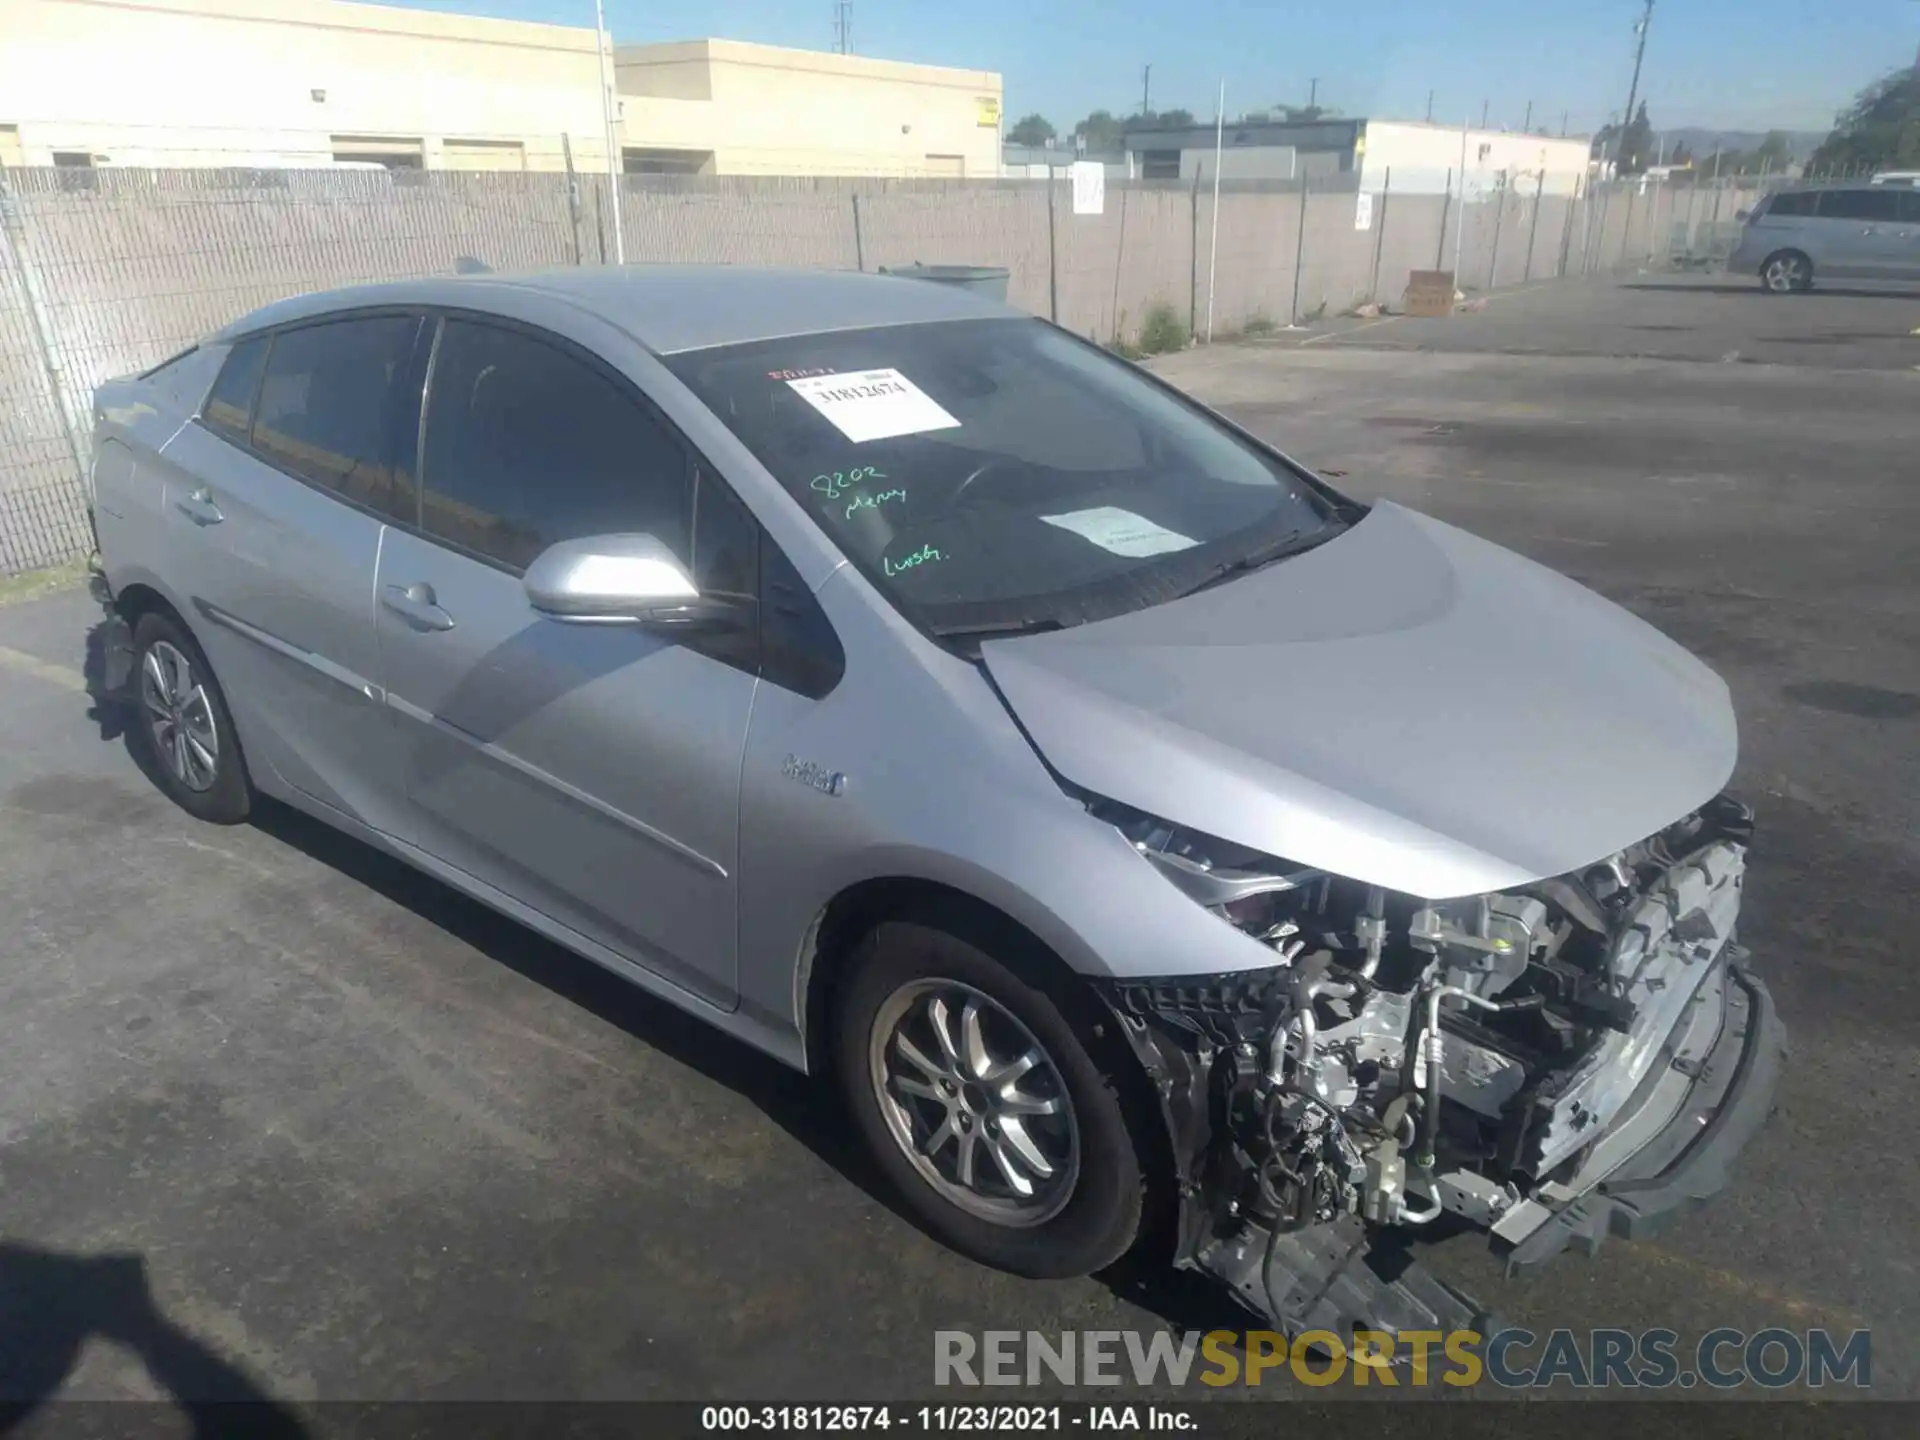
(170, 364)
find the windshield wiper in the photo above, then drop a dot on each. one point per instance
(996, 629)
(1292, 543)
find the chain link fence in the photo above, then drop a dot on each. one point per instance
(110, 271)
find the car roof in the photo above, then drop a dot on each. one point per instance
(672, 308)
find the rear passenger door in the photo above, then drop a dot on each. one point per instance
(1860, 229)
(591, 773)
(302, 451)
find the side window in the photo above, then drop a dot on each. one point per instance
(1868, 205)
(527, 445)
(1909, 205)
(1792, 202)
(229, 405)
(330, 408)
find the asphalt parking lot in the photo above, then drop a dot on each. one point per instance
(369, 1141)
(1719, 318)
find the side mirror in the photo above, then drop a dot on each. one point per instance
(620, 580)
(1743, 214)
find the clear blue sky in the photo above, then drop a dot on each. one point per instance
(1736, 64)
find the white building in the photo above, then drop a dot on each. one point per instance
(277, 83)
(1424, 159)
(1429, 159)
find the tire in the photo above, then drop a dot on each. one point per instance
(1090, 1211)
(1786, 272)
(181, 723)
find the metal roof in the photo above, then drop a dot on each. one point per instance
(670, 308)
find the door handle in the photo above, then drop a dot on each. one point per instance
(416, 605)
(199, 508)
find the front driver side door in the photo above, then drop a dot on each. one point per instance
(591, 772)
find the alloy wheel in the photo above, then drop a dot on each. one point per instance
(974, 1102)
(1786, 273)
(185, 737)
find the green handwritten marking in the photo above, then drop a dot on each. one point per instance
(833, 485)
(874, 502)
(925, 555)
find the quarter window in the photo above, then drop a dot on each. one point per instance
(229, 407)
(527, 445)
(330, 409)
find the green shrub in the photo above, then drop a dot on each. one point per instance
(1162, 331)
(1259, 323)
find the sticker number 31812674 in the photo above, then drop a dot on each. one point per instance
(873, 404)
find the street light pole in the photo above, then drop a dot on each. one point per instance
(613, 134)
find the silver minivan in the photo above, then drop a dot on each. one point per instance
(1864, 232)
(1152, 841)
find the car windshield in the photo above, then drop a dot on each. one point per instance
(1000, 474)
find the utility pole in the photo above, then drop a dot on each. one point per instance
(843, 27)
(1485, 105)
(1146, 92)
(1313, 93)
(1526, 125)
(1429, 107)
(1633, 90)
(1563, 124)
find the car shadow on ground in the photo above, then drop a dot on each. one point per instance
(1755, 288)
(53, 1304)
(807, 1108)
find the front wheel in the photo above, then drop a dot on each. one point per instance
(1787, 272)
(982, 1101)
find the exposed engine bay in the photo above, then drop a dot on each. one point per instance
(1492, 1059)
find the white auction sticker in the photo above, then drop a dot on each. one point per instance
(1121, 531)
(873, 404)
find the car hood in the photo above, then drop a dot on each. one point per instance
(1406, 704)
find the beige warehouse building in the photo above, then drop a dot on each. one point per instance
(296, 83)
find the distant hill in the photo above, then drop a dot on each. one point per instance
(1703, 142)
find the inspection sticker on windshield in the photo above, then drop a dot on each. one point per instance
(873, 404)
(1121, 531)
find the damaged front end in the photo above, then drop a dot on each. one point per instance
(1570, 1059)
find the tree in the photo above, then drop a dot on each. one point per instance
(1770, 157)
(1880, 130)
(1636, 145)
(1033, 129)
(1099, 132)
(1172, 119)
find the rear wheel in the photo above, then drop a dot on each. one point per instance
(980, 1096)
(1786, 272)
(182, 733)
